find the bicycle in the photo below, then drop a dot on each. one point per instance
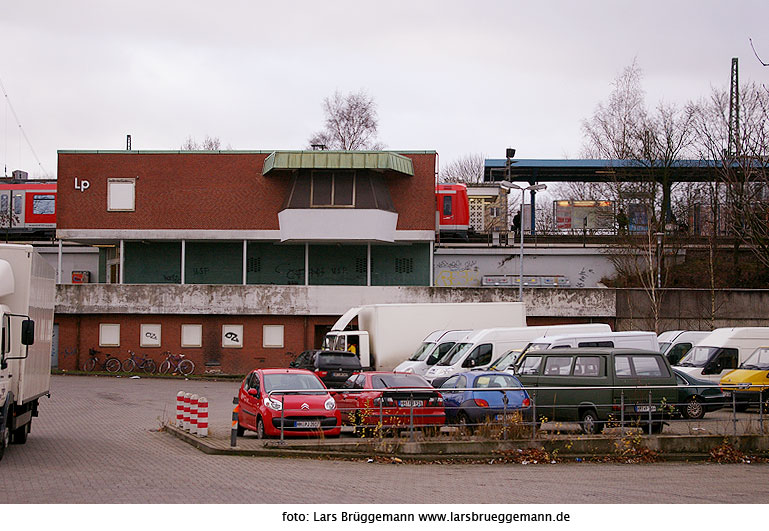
(177, 363)
(132, 363)
(111, 363)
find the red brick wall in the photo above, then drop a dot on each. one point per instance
(208, 191)
(77, 334)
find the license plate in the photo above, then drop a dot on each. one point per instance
(340, 375)
(307, 424)
(411, 403)
(505, 417)
(728, 394)
(645, 409)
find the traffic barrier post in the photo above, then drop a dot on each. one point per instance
(234, 431)
(202, 417)
(187, 397)
(194, 414)
(179, 409)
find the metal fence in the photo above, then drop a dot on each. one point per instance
(726, 410)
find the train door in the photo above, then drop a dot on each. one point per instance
(12, 208)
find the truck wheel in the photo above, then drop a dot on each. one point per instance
(19, 435)
(5, 439)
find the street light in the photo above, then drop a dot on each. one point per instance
(533, 188)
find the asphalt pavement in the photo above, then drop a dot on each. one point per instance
(98, 440)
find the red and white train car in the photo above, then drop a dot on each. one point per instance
(28, 206)
(453, 209)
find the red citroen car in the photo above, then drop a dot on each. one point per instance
(390, 399)
(295, 397)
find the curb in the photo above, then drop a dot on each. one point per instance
(682, 449)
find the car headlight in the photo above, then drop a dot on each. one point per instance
(330, 404)
(408, 369)
(273, 404)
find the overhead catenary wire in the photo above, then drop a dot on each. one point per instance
(9, 105)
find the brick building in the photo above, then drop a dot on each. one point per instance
(237, 259)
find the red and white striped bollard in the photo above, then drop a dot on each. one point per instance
(187, 411)
(194, 414)
(179, 409)
(202, 417)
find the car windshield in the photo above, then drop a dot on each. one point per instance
(495, 380)
(422, 352)
(698, 356)
(456, 353)
(506, 362)
(531, 347)
(291, 382)
(758, 361)
(385, 381)
(338, 359)
(664, 347)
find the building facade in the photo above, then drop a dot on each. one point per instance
(248, 222)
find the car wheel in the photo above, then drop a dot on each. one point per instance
(590, 424)
(741, 408)
(5, 439)
(464, 422)
(260, 434)
(240, 430)
(694, 409)
(657, 427)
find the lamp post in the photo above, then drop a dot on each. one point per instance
(659, 236)
(533, 188)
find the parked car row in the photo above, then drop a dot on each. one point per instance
(575, 373)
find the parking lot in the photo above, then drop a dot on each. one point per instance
(97, 441)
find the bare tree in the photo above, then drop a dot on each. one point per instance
(466, 169)
(208, 144)
(350, 124)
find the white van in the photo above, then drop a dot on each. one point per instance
(431, 351)
(675, 344)
(637, 340)
(721, 351)
(478, 348)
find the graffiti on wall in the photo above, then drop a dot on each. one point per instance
(457, 273)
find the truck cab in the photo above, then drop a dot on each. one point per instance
(356, 341)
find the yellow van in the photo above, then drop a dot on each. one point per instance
(753, 378)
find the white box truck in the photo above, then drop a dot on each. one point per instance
(388, 334)
(27, 291)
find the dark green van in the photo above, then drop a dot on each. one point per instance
(585, 385)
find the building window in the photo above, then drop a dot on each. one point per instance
(272, 336)
(109, 335)
(494, 212)
(335, 189)
(121, 195)
(232, 336)
(150, 335)
(192, 335)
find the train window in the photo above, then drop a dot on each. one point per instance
(43, 204)
(17, 198)
(4, 203)
(446, 205)
(121, 195)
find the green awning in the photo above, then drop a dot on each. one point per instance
(338, 160)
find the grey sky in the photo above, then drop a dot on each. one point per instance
(455, 77)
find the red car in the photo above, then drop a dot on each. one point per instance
(391, 399)
(262, 407)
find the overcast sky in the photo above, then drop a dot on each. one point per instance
(456, 77)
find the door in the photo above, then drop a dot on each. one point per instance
(55, 347)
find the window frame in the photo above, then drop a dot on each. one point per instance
(121, 180)
(333, 176)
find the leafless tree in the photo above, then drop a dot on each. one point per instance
(466, 169)
(350, 123)
(208, 144)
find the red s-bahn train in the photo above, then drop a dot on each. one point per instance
(28, 207)
(453, 210)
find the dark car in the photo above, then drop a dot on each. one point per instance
(334, 367)
(487, 401)
(694, 402)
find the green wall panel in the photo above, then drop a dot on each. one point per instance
(152, 263)
(213, 263)
(269, 263)
(400, 265)
(337, 265)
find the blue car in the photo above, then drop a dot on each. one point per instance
(470, 408)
